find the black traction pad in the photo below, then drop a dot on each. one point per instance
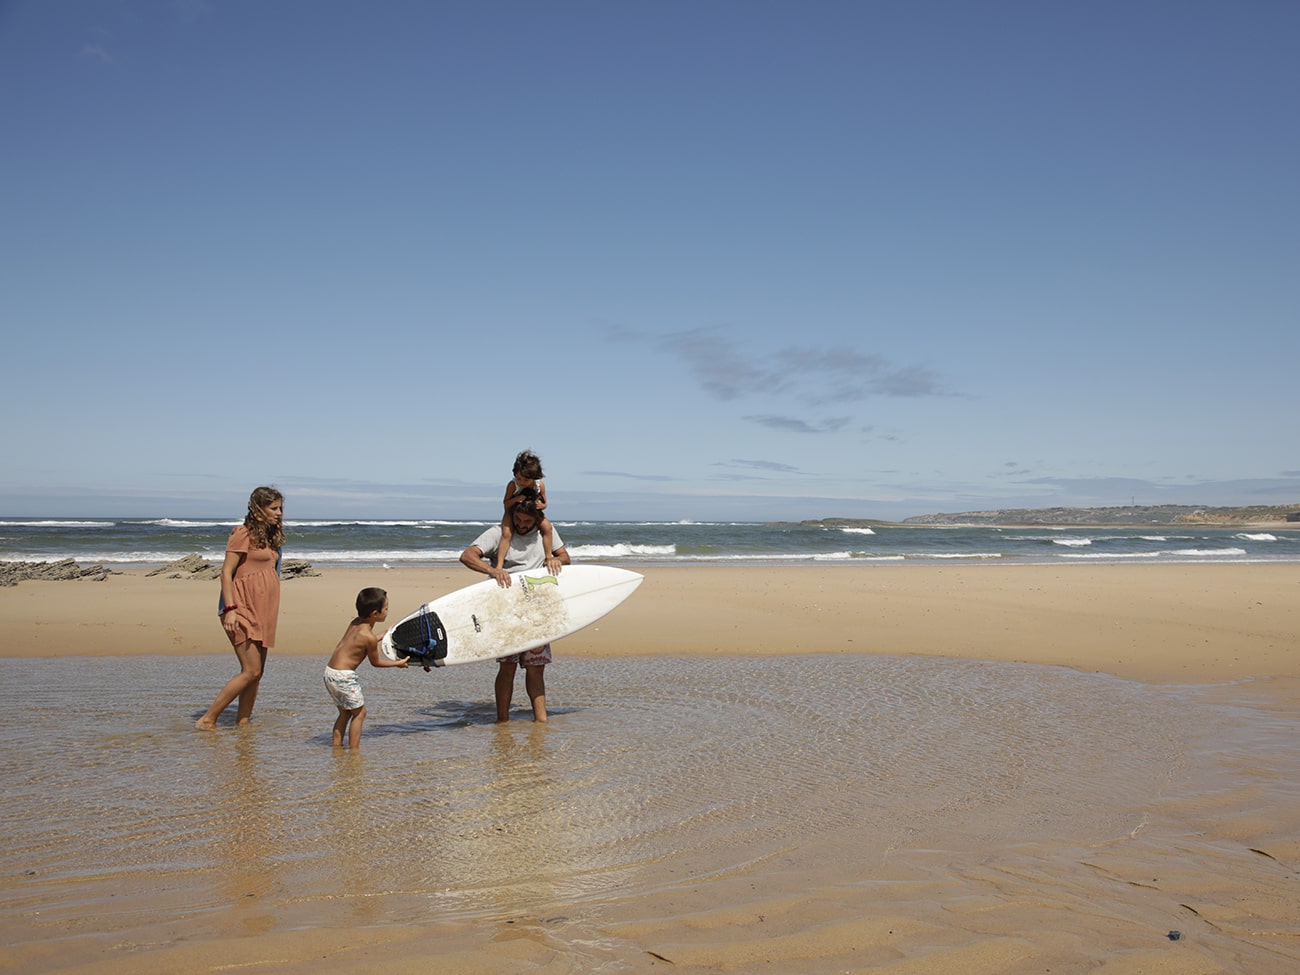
(422, 639)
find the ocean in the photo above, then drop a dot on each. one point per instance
(155, 541)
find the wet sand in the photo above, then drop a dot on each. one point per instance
(1160, 623)
(888, 804)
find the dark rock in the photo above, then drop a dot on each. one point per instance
(190, 567)
(12, 573)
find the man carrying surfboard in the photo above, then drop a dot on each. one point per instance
(525, 551)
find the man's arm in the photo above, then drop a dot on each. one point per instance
(472, 558)
(556, 560)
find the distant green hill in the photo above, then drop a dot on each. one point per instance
(1159, 514)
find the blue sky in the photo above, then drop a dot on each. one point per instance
(752, 260)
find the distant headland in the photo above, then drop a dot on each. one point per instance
(1158, 514)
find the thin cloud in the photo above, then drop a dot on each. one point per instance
(720, 367)
(95, 52)
(737, 469)
(1014, 469)
(728, 369)
(792, 424)
(869, 434)
(847, 374)
(760, 465)
(908, 381)
(627, 474)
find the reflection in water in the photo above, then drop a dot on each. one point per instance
(523, 841)
(245, 817)
(651, 770)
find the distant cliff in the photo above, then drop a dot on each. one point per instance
(1159, 514)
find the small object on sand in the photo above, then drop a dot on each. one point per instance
(1175, 935)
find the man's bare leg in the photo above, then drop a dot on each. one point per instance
(535, 684)
(505, 688)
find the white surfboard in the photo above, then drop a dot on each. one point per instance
(485, 621)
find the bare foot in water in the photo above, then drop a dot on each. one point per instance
(204, 724)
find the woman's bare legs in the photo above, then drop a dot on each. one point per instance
(248, 696)
(252, 661)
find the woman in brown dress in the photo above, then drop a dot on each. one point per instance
(250, 600)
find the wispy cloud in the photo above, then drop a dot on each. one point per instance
(871, 434)
(738, 469)
(720, 366)
(729, 368)
(844, 374)
(793, 424)
(1013, 469)
(96, 52)
(627, 474)
(759, 465)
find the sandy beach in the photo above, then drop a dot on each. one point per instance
(1212, 853)
(1180, 624)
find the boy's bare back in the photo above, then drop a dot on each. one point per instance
(358, 643)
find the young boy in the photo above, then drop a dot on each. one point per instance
(359, 642)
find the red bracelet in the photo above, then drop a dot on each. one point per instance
(227, 610)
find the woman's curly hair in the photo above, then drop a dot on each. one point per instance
(260, 529)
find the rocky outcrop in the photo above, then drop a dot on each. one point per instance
(12, 573)
(197, 567)
(190, 567)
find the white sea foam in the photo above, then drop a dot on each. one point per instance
(957, 555)
(377, 556)
(400, 523)
(621, 551)
(183, 523)
(768, 557)
(1192, 553)
(110, 557)
(57, 524)
(1110, 556)
(411, 541)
